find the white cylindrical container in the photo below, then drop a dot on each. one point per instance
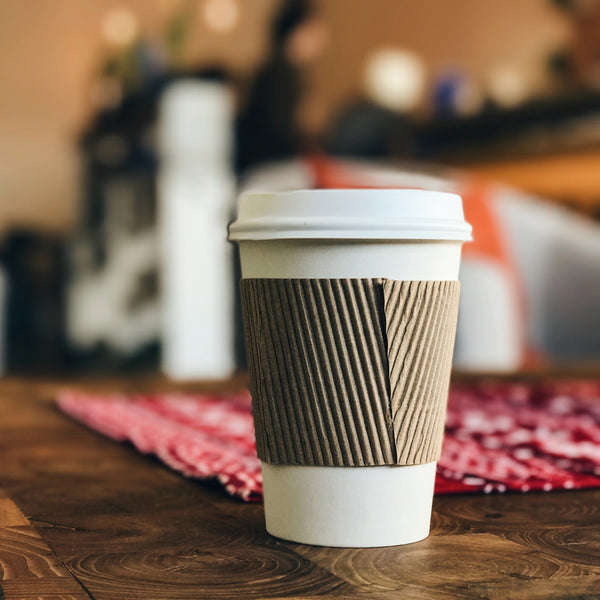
(196, 190)
(393, 234)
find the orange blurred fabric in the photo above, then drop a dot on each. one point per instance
(488, 241)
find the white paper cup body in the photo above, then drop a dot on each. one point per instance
(349, 506)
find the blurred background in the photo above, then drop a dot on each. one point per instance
(127, 128)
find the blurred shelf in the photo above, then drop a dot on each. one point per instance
(572, 177)
(548, 147)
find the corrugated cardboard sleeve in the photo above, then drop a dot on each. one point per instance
(349, 372)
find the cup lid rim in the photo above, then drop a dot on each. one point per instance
(365, 213)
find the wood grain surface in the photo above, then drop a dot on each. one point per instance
(29, 568)
(84, 517)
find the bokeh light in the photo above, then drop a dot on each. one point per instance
(221, 15)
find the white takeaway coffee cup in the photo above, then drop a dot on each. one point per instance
(398, 234)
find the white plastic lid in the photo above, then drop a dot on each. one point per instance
(392, 214)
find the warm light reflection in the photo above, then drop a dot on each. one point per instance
(120, 27)
(395, 79)
(221, 15)
(507, 86)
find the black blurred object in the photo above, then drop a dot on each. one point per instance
(119, 216)
(291, 15)
(267, 130)
(120, 163)
(536, 127)
(118, 141)
(118, 207)
(35, 305)
(367, 130)
(564, 4)
(117, 155)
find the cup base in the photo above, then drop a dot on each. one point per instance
(349, 507)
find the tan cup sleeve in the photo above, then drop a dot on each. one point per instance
(349, 372)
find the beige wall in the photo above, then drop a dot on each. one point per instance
(48, 49)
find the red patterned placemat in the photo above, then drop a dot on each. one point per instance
(499, 436)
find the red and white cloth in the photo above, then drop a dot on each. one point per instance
(499, 436)
(200, 436)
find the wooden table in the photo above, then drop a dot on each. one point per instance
(84, 517)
